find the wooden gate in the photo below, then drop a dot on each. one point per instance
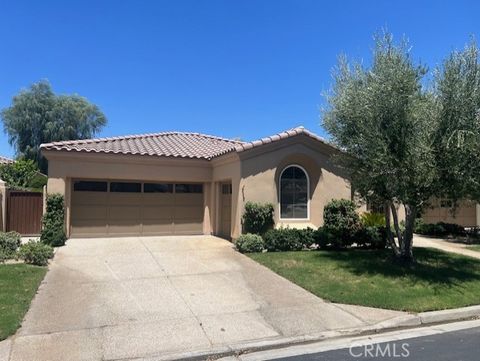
(24, 212)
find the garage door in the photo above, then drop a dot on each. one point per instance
(122, 208)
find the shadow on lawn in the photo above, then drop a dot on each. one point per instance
(432, 266)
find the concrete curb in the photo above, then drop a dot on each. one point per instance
(400, 322)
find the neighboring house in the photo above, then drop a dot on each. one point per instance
(190, 183)
(467, 213)
(5, 160)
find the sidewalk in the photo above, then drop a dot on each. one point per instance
(444, 245)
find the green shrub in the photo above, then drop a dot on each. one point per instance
(372, 219)
(53, 222)
(341, 221)
(3, 256)
(283, 239)
(307, 237)
(323, 238)
(431, 229)
(372, 237)
(453, 229)
(257, 218)
(36, 253)
(248, 243)
(9, 243)
(440, 229)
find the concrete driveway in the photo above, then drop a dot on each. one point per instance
(167, 297)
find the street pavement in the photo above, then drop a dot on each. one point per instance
(460, 344)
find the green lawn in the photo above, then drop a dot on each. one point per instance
(474, 247)
(18, 284)
(437, 281)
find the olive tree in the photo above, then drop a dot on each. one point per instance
(404, 142)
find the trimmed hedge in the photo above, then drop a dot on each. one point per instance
(9, 243)
(342, 222)
(440, 229)
(248, 243)
(36, 253)
(53, 222)
(257, 218)
(289, 239)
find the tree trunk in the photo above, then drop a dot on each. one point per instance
(407, 249)
(404, 250)
(390, 236)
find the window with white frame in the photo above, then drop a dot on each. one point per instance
(294, 193)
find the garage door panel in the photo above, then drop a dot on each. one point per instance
(154, 199)
(152, 227)
(188, 199)
(90, 227)
(129, 214)
(188, 227)
(124, 212)
(157, 212)
(125, 227)
(89, 212)
(121, 199)
(89, 198)
(188, 212)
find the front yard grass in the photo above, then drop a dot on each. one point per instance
(437, 281)
(18, 285)
(475, 247)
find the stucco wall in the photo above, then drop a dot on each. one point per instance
(63, 167)
(3, 206)
(465, 215)
(260, 172)
(227, 169)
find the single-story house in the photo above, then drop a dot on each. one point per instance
(190, 183)
(466, 214)
(5, 160)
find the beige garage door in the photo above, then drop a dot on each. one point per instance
(123, 208)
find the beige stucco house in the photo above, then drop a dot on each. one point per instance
(190, 183)
(466, 214)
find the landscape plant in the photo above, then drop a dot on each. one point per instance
(53, 221)
(257, 218)
(403, 142)
(247, 243)
(35, 253)
(341, 221)
(9, 243)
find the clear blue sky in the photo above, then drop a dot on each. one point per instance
(232, 68)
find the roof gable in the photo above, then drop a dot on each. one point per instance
(173, 144)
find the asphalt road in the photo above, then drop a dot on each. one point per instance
(461, 345)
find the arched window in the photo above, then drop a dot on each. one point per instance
(294, 193)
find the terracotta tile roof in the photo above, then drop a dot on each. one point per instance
(4, 160)
(168, 144)
(286, 134)
(172, 144)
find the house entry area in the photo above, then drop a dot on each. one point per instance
(225, 210)
(131, 208)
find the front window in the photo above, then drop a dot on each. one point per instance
(294, 193)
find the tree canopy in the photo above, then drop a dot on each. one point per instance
(406, 142)
(37, 116)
